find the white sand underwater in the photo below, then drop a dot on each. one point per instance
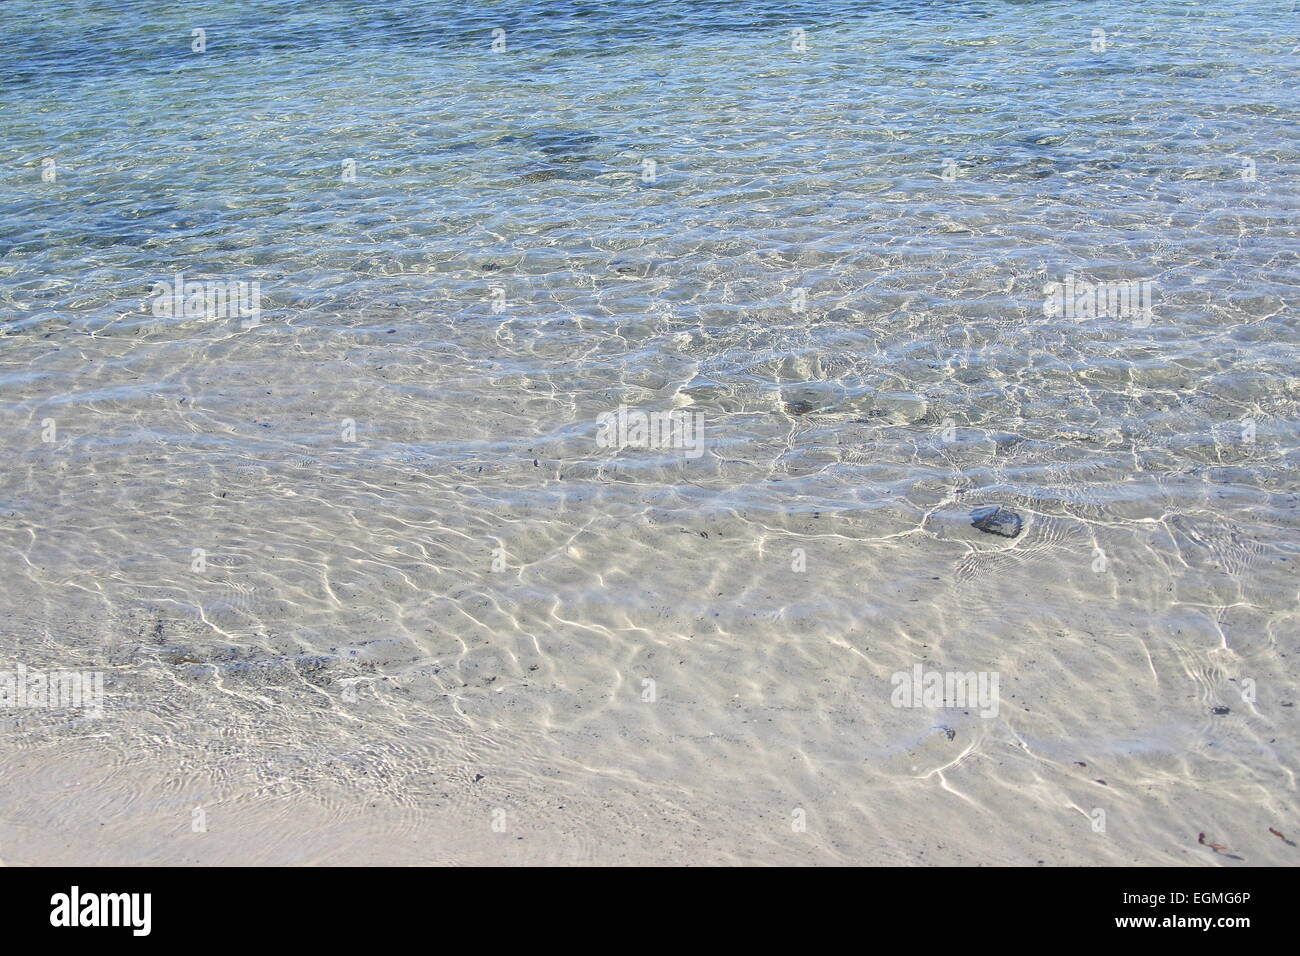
(348, 679)
(365, 586)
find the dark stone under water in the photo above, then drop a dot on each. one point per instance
(996, 520)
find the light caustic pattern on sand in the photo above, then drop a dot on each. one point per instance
(365, 585)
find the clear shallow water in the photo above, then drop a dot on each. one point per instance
(353, 466)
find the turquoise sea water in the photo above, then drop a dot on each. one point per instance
(827, 228)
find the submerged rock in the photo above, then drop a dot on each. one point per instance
(996, 520)
(561, 145)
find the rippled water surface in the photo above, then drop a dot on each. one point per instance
(365, 585)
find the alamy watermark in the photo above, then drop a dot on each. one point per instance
(1077, 298)
(221, 299)
(633, 428)
(53, 690)
(75, 908)
(934, 690)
